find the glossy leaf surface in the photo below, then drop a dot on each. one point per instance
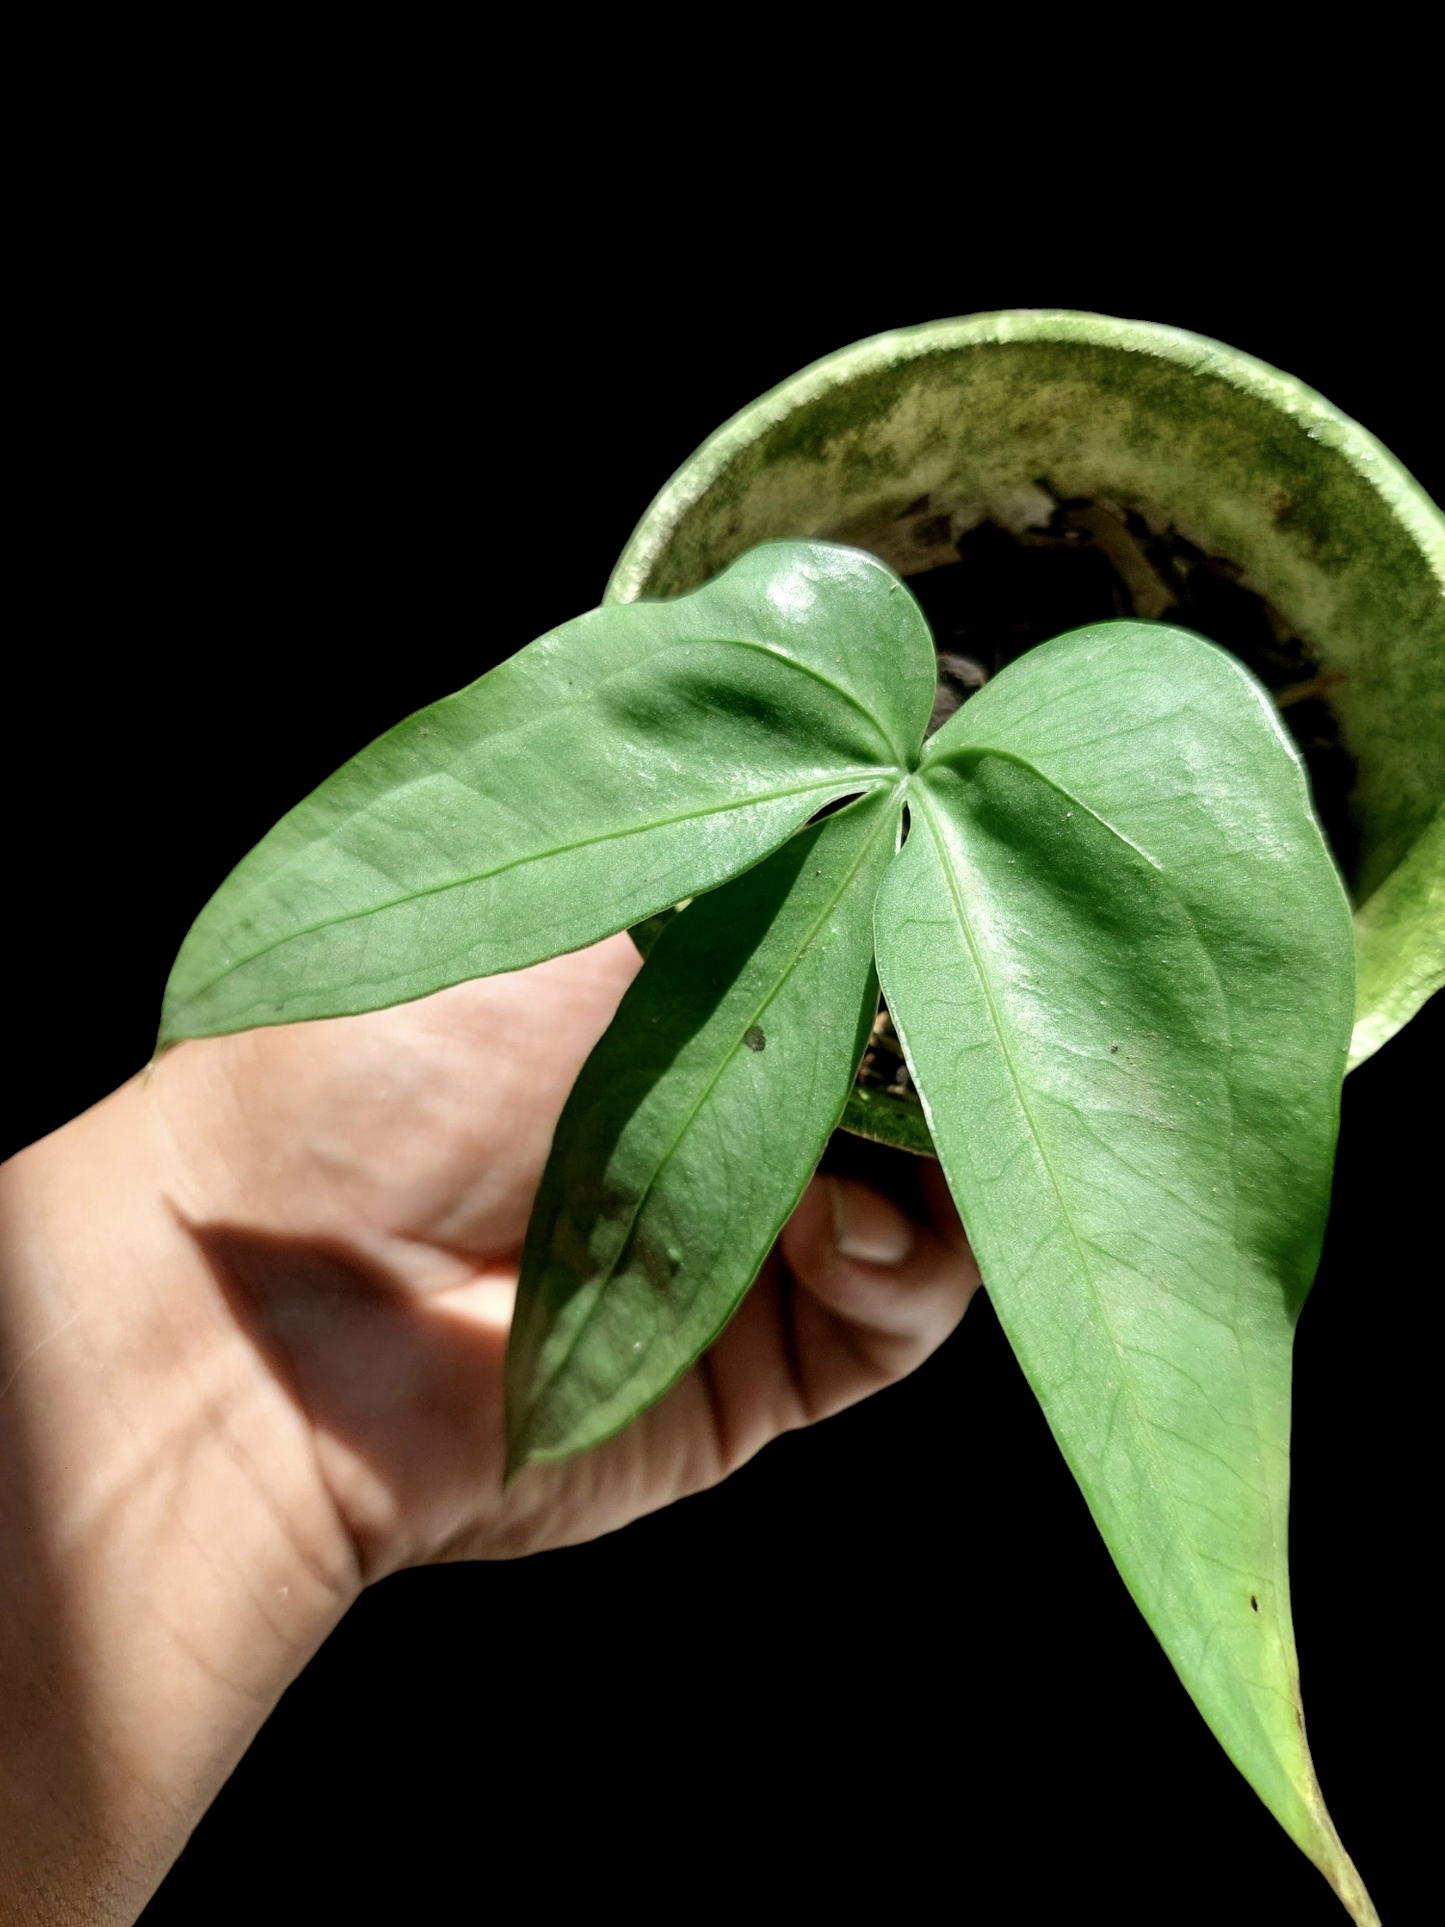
(627, 760)
(692, 1130)
(1118, 955)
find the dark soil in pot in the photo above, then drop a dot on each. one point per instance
(999, 594)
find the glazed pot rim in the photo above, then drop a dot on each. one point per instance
(1320, 419)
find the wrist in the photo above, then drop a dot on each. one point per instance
(169, 1556)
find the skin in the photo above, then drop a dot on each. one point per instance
(253, 1311)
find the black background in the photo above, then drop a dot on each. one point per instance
(312, 457)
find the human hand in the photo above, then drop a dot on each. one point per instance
(360, 1189)
(253, 1316)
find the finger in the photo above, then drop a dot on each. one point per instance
(939, 1200)
(856, 1297)
(865, 1262)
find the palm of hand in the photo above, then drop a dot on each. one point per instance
(361, 1188)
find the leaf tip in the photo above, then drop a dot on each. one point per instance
(1327, 1850)
(1340, 1871)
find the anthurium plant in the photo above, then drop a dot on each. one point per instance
(1115, 953)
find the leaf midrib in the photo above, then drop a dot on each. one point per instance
(1050, 782)
(587, 697)
(1141, 1427)
(1231, 1324)
(879, 776)
(809, 669)
(625, 1242)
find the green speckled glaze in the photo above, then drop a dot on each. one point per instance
(1400, 943)
(1245, 461)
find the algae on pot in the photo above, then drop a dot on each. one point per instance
(1205, 488)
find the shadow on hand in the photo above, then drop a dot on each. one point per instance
(404, 1392)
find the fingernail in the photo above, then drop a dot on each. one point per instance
(867, 1227)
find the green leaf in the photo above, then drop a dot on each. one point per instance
(886, 1119)
(1119, 958)
(627, 760)
(645, 934)
(691, 1132)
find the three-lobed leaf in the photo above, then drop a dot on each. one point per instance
(1113, 944)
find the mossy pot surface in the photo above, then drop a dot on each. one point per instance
(903, 443)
